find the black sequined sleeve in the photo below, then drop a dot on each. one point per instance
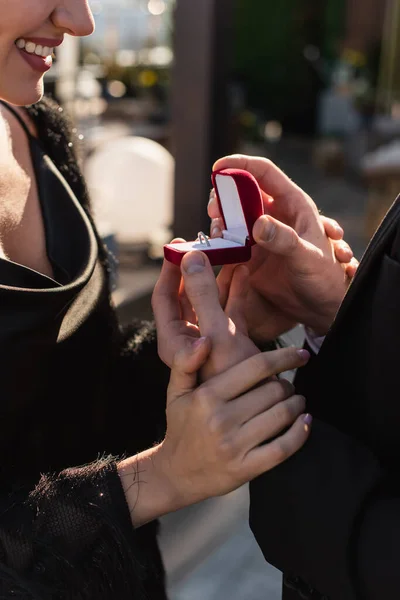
(70, 538)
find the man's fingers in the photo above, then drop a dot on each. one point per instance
(187, 362)
(332, 228)
(271, 179)
(213, 207)
(276, 237)
(251, 372)
(343, 252)
(266, 457)
(352, 267)
(216, 228)
(272, 422)
(202, 292)
(237, 298)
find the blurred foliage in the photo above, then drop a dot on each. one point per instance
(269, 56)
(139, 80)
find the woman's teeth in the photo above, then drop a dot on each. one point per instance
(32, 48)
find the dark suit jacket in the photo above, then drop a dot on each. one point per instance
(329, 518)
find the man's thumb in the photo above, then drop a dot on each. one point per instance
(275, 236)
(187, 362)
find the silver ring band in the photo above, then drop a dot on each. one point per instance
(203, 239)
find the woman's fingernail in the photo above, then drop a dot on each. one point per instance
(268, 231)
(307, 420)
(197, 343)
(304, 354)
(212, 196)
(216, 232)
(194, 263)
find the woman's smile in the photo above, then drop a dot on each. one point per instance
(30, 31)
(38, 52)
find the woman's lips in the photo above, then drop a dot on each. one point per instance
(37, 63)
(50, 42)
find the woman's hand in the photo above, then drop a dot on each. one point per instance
(186, 304)
(215, 432)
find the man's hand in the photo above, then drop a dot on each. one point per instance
(295, 276)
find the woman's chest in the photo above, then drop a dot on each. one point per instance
(22, 230)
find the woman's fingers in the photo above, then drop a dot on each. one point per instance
(266, 457)
(187, 313)
(251, 372)
(202, 292)
(186, 363)
(259, 400)
(238, 291)
(165, 299)
(224, 280)
(271, 422)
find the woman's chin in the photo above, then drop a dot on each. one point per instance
(24, 96)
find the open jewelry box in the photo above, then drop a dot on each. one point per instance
(240, 202)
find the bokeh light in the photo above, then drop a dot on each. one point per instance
(156, 7)
(116, 89)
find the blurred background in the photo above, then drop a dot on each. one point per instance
(162, 89)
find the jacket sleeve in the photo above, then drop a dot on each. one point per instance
(70, 537)
(329, 518)
(140, 383)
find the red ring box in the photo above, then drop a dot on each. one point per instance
(240, 202)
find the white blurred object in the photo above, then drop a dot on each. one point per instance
(383, 159)
(87, 85)
(131, 181)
